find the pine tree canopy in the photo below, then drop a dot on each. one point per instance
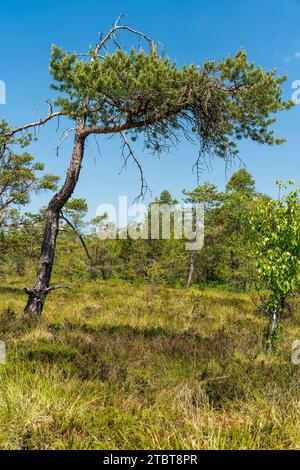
(142, 92)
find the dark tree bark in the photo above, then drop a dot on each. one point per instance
(37, 295)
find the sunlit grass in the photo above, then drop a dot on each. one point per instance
(116, 366)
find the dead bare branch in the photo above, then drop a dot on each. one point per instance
(126, 144)
(40, 122)
(79, 235)
(63, 138)
(51, 289)
(118, 27)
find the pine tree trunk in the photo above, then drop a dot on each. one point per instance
(191, 270)
(37, 295)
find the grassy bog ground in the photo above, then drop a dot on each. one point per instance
(116, 366)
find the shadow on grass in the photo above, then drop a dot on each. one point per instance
(127, 331)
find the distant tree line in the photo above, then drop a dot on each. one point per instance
(226, 258)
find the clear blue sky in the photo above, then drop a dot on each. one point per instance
(191, 30)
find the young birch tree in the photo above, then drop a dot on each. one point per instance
(276, 229)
